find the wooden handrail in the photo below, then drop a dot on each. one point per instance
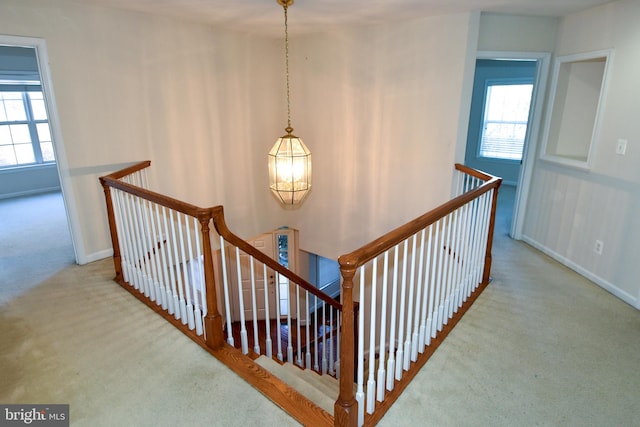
(129, 170)
(346, 407)
(223, 230)
(217, 214)
(369, 251)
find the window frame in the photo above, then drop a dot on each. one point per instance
(503, 82)
(24, 88)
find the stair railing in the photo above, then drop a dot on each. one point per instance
(162, 253)
(426, 273)
(166, 255)
(412, 284)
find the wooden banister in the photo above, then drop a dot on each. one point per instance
(223, 230)
(369, 251)
(346, 407)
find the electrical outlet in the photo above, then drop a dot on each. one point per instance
(598, 247)
(621, 148)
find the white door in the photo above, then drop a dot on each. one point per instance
(250, 288)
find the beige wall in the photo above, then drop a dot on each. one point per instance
(517, 33)
(130, 87)
(570, 209)
(379, 107)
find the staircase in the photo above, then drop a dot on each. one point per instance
(320, 389)
(400, 296)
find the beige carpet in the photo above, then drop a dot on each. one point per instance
(541, 347)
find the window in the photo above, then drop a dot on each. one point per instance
(25, 137)
(504, 125)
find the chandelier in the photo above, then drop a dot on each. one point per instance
(289, 159)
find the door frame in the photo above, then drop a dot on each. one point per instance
(40, 47)
(543, 60)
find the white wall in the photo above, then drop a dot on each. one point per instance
(570, 209)
(130, 87)
(379, 107)
(513, 33)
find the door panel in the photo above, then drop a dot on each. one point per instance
(265, 244)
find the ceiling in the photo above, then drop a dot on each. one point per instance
(265, 16)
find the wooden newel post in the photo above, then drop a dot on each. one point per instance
(117, 261)
(212, 321)
(346, 407)
(492, 223)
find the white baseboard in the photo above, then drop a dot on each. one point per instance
(30, 192)
(606, 285)
(96, 256)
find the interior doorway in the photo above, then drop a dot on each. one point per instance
(504, 122)
(32, 142)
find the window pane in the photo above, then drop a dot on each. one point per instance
(43, 132)
(47, 152)
(24, 153)
(505, 121)
(23, 124)
(7, 156)
(37, 106)
(20, 134)
(5, 135)
(14, 106)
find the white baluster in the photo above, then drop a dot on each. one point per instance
(178, 297)
(267, 317)
(392, 336)
(244, 341)
(444, 319)
(298, 337)
(160, 257)
(425, 294)
(201, 306)
(407, 342)
(437, 320)
(371, 383)
(187, 267)
(144, 250)
(433, 302)
(151, 253)
(316, 354)
(416, 320)
(171, 251)
(383, 329)
(331, 349)
(403, 291)
(225, 287)
(360, 383)
(457, 262)
(254, 306)
(182, 271)
(278, 325)
(324, 363)
(289, 331)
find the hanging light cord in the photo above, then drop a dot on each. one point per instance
(289, 129)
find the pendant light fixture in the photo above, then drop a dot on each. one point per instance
(289, 159)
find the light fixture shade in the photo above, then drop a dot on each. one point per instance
(290, 169)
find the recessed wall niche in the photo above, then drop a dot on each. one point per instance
(577, 91)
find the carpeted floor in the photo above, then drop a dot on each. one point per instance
(35, 242)
(542, 346)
